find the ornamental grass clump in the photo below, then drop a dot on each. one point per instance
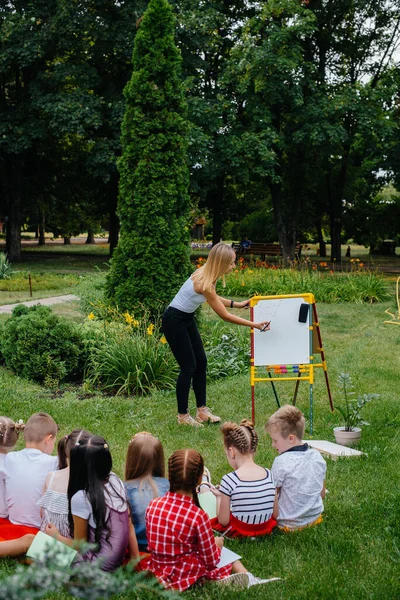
(128, 356)
(227, 349)
(5, 267)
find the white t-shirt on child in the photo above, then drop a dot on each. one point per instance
(25, 474)
(300, 475)
(3, 501)
(115, 497)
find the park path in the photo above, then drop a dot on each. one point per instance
(8, 308)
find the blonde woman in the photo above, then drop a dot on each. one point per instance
(183, 337)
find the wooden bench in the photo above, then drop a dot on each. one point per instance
(264, 249)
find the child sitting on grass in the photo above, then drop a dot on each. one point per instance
(298, 472)
(246, 498)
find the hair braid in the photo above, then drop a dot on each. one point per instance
(185, 468)
(243, 437)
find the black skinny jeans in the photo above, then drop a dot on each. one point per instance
(183, 337)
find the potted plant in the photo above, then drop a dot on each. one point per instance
(350, 433)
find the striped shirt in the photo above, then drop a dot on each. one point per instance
(251, 501)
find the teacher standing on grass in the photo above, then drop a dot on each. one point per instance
(183, 337)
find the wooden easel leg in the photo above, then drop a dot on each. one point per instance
(322, 356)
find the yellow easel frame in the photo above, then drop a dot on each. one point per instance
(306, 371)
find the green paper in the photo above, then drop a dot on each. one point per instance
(62, 554)
(208, 503)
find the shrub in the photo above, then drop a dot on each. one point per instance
(227, 349)
(357, 287)
(128, 357)
(151, 260)
(84, 580)
(5, 267)
(38, 345)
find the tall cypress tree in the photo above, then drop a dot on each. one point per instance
(152, 256)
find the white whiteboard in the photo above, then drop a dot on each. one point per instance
(288, 341)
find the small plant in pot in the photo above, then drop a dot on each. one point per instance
(350, 433)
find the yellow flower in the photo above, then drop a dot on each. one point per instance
(163, 339)
(91, 316)
(135, 323)
(250, 271)
(150, 329)
(128, 318)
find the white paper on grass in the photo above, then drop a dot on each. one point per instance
(227, 557)
(288, 341)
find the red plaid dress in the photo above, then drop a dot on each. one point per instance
(181, 543)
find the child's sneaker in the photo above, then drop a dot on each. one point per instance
(253, 580)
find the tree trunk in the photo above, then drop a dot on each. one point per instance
(42, 239)
(215, 199)
(11, 175)
(90, 237)
(67, 240)
(336, 238)
(286, 235)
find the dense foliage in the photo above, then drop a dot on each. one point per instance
(152, 258)
(38, 345)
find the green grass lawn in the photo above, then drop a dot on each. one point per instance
(355, 553)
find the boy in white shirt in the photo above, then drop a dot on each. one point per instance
(25, 471)
(298, 472)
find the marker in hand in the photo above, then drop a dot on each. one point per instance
(265, 326)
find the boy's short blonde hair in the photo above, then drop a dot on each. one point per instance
(287, 420)
(38, 427)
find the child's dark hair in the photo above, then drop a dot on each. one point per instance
(287, 420)
(66, 444)
(185, 468)
(9, 432)
(243, 437)
(90, 467)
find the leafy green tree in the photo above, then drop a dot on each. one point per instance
(152, 257)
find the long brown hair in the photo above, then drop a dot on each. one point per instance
(9, 432)
(185, 467)
(243, 437)
(145, 460)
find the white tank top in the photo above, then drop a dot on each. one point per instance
(187, 300)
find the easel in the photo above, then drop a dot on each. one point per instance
(304, 371)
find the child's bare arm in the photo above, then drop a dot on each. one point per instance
(133, 545)
(323, 491)
(275, 511)
(224, 510)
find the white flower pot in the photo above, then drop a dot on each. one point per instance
(347, 438)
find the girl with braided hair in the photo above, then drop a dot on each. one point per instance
(246, 498)
(183, 549)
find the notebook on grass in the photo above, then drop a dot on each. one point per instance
(42, 544)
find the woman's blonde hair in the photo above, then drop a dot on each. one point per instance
(220, 257)
(145, 460)
(9, 432)
(243, 437)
